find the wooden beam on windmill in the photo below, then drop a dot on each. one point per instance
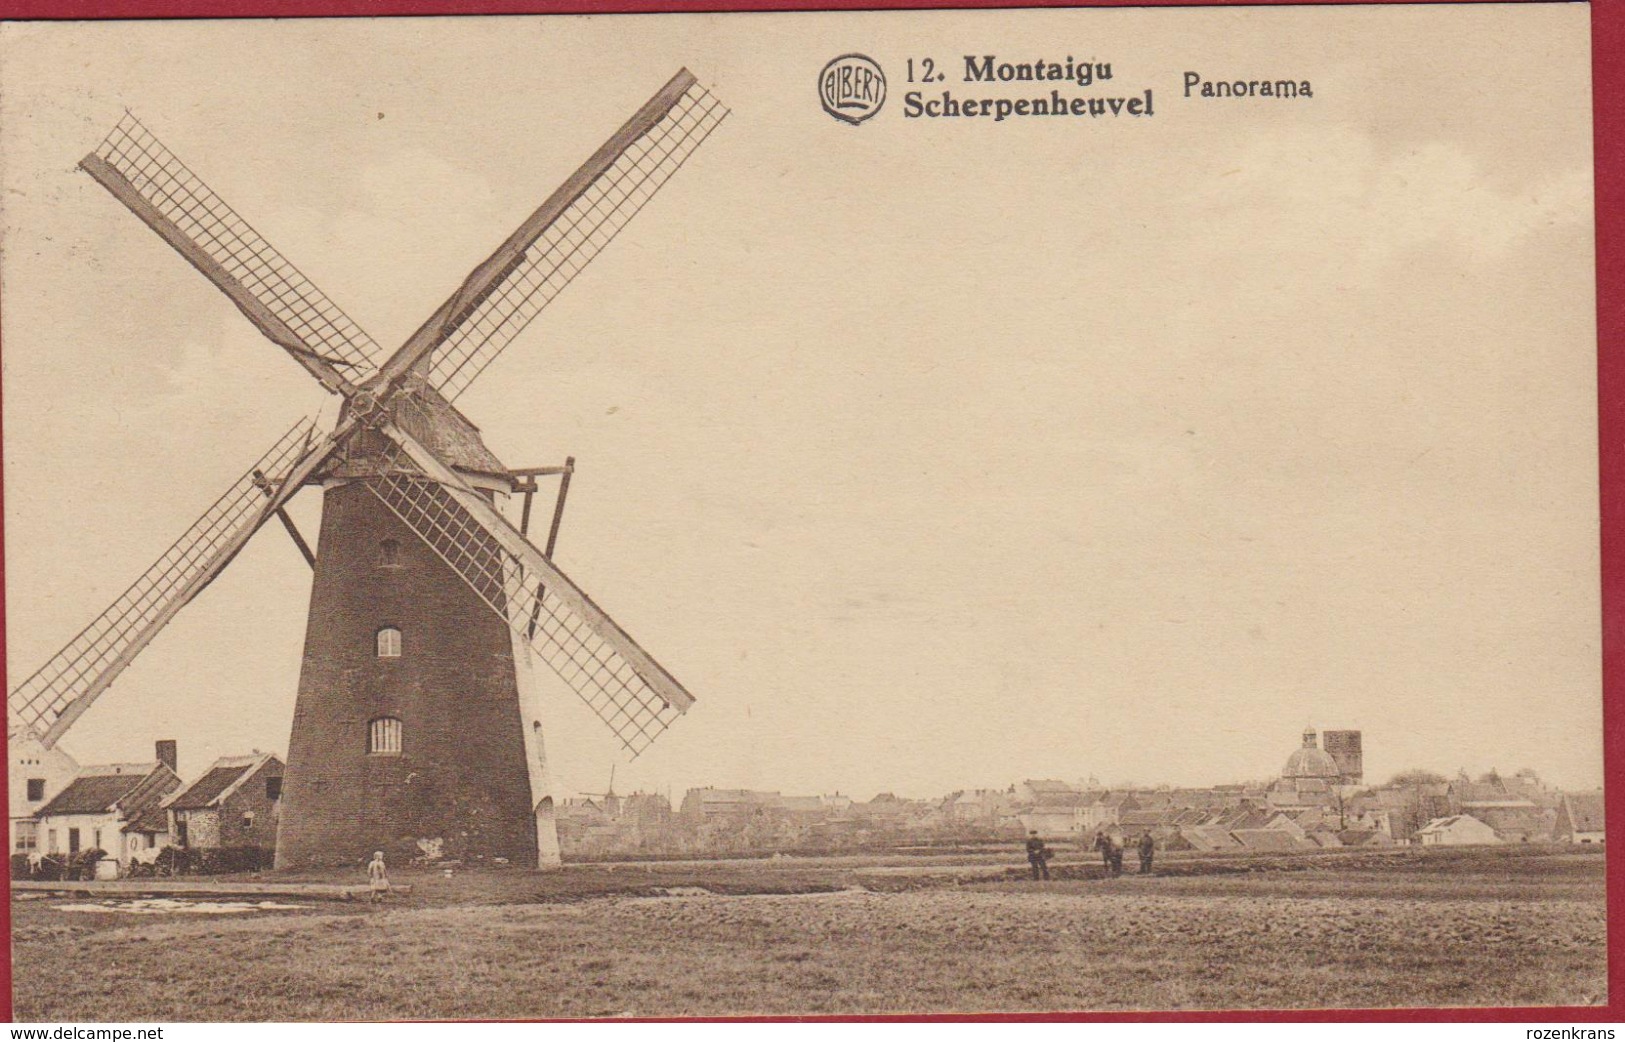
(269, 489)
(528, 486)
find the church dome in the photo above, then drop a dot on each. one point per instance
(1311, 761)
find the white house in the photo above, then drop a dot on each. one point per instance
(1106, 810)
(34, 775)
(1456, 830)
(105, 808)
(1053, 822)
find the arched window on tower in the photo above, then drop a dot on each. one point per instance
(384, 736)
(389, 642)
(389, 554)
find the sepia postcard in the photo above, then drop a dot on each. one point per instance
(802, 514)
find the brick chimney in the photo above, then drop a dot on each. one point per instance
(167, 754)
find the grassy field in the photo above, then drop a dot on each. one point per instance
(1501, 927)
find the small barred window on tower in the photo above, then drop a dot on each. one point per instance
(384, 736)
(389, 642)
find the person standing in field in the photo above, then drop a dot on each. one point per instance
(1037, 856)
(1104, 845)
(377, 877)
(1148, 850)
(1115, 853)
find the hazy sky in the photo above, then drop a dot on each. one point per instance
(927, 453)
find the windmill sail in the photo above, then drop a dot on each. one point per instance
(632, 693)
(62, 689)
(161, 190)
(566, 232)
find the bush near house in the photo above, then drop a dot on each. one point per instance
(210, 861)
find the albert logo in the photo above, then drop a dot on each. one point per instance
(852, 88)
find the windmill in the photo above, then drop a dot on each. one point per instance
(416, 717)
(611, 802)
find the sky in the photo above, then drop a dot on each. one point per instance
(928, 454)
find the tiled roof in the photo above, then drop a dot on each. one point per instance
(91, 795)
(1470, 791)
(1267, 839)
(1209, 837)
(1441, 824)
(151, 818)
(1585, 811)
(203, 792)
(1246, 819)
(98, 789)
(1516, 821)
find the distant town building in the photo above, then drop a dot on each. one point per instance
(710, 804)
(1456, 830)
(1344, 747)
(1580, 818)
(1047, 790)
(1053, 822)
(1310, 778)
(1107, 809)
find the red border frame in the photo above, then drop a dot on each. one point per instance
(1608, 114)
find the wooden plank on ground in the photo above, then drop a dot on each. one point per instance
(199, 888)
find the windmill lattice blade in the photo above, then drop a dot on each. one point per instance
(265, 285)
(617, 679)
(538, 269)
(62, 689)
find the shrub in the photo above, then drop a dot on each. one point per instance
(83, 864)
(172, 861)
(209, 861)
(21, 867)
(235, 859)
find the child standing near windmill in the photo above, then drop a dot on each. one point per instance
(377, 877)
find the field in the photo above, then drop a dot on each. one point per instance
(1466, 927)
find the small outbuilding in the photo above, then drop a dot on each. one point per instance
(235, 803)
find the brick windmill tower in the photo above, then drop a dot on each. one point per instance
(417, 724)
